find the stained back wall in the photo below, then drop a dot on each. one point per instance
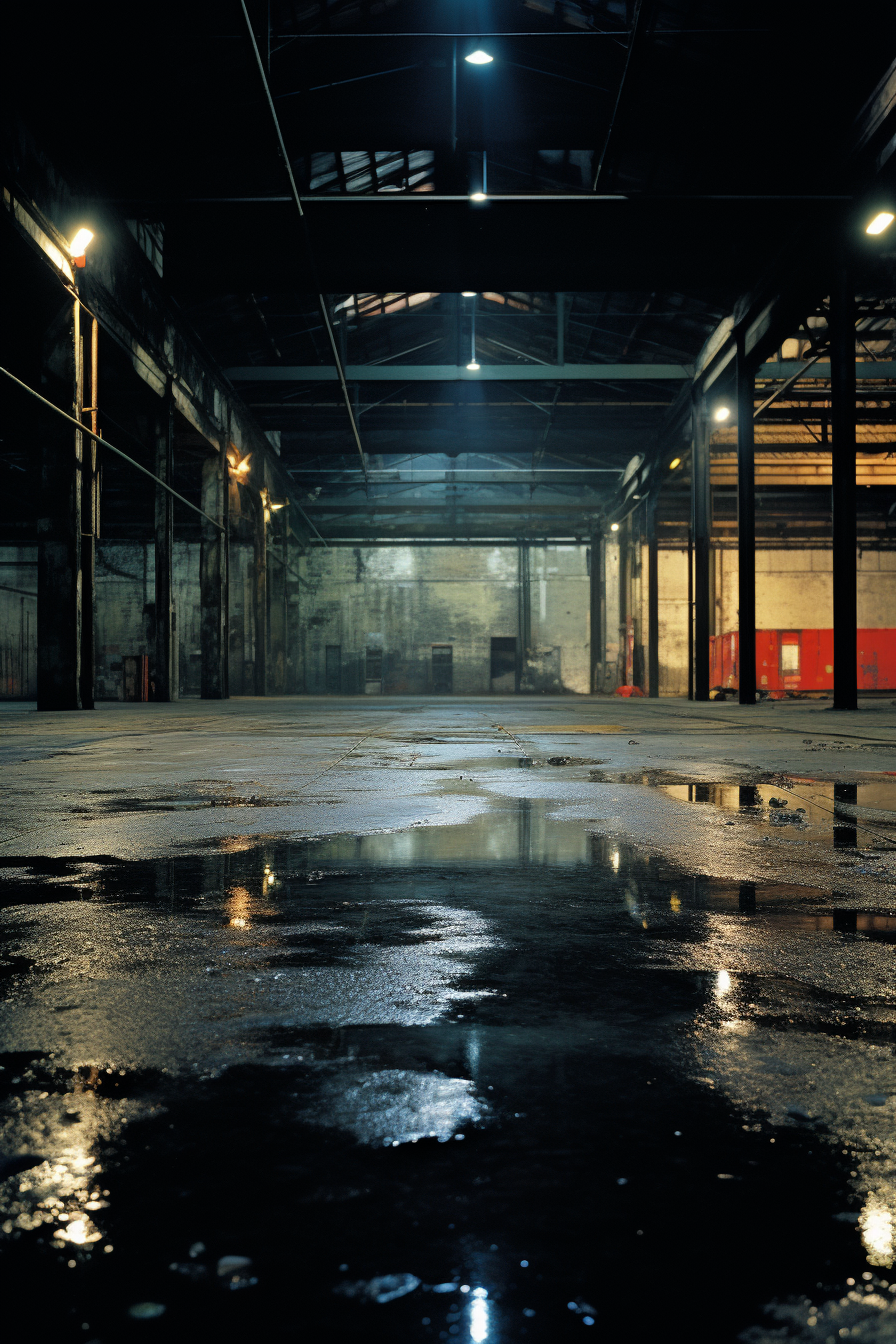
(401, 601)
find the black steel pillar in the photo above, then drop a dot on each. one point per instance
(90, 513)
(213, 578)
(700, 512)
(746, 528)
(843, 485)
(59, 529)
(597, 624)
(260, 546)
(165, 671)
(524, 619)
(653, 603)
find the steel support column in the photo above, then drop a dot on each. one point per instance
(524, 619)
(746, 528)
(843, 485)
(165, 672)
(701, 518)
(89, 525)
(213, 578)
(597, 626)
(653, 603)
(260, 596)
(59, 527)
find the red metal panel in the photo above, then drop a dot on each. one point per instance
(778, 669)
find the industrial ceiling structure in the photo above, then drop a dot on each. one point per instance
(516, 261)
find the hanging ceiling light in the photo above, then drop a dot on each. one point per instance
(479, 57)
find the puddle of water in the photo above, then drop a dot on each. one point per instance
(844, 812)
(512, 1056)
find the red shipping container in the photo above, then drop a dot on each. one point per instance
(803, 660)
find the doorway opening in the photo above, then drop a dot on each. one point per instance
(442, 669)
(503, 666)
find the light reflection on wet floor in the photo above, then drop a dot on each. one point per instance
(842, 815)
(485, 1082)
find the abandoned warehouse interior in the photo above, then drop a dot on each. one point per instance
(448, 671)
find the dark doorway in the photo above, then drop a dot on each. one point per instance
(442, 669)
(333, 669)
(503, 668)
(373, 672)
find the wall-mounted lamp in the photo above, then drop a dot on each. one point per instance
(278, 504)
(239, 466)
(722, 413)
(676, 462)
(468, 293)
(882, 220)
(78, 247)
(614, 527)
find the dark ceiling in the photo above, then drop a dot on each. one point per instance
(663, 152)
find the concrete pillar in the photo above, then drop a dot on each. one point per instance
(165, 669)
(746, 528)
(59, 526)
(260, 546)
(843, 483)
(213, 578)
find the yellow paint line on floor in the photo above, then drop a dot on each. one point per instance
(567, 728)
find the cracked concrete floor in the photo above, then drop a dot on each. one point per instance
(449, 1018)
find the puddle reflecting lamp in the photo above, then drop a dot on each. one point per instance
(78, 247)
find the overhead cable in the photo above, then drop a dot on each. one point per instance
(104, 443)
(322, 304)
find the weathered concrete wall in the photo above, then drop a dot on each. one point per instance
(672, 569)
(402, 600)
(125, 614)
(560, 616)
(18, 622)
(794, 590)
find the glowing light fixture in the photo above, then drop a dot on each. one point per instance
(676, 462)
(881, 221)
(722, 413)
(83, 237)
(468, 293)
(614, 527)
(473, 366)
(479, 57)
(478, 196)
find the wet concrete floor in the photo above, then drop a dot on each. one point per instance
(483, 1048)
